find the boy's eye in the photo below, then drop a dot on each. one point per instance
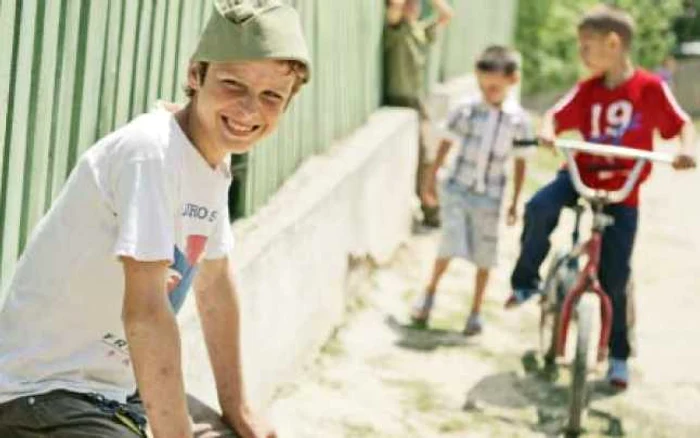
(230, 83)
(273, 96)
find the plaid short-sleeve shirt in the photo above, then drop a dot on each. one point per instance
(486, 136)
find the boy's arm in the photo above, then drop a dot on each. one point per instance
(430, 194)
(217, 305)
(672, 121)
(566, 114)
(154, 346)
(518, 181)
(444, 10)
(685, 158)
(443, 18)
(547, 134)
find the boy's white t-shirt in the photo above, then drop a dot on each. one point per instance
(143, 191)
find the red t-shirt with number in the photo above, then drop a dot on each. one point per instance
(626, 115)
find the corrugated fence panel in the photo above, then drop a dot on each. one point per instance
(108, 86)
(157, 50)
(73, 70)
(68, 93)
(24, 74)
(37, 164)
(8, 23)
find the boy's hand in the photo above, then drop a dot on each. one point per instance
(684, 162)
(512, 217)
(249, 425)
(547, 142)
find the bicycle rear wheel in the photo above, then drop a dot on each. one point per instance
(579, 387)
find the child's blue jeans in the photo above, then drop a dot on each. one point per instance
(541, 217)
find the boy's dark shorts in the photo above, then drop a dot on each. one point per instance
(64, 414)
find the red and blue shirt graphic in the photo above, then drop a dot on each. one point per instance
(184, 268)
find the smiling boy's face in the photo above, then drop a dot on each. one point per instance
(239, 103)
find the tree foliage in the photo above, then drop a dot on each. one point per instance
(546, 37)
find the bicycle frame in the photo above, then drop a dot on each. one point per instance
(588, 280)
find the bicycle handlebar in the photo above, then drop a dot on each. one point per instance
(613, 151)
(641, 157)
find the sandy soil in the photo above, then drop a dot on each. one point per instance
(379, 378)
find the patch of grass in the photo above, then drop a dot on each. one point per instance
(453, 320)
(454, 424)
(382, 361)
(408, 295)
(333, 384)
(355, 430)
(286, 391)
(334, 347)
(357, 303)
(420, 395)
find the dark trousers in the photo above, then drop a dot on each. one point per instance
(64, 414)
(541, 217)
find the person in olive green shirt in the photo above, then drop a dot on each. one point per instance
(406, 42)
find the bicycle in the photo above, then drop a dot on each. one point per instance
(567, 281)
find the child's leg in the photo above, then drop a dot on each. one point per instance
(422, 308)
(541, 217)
(615, 269)
(482, 279)
(439, 269)
(474, 323)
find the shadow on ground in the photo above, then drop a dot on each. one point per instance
(411, 337)
(494, 396)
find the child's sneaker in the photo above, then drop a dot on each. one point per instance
(474, 325)
(421, 310)
(519, 296)
(618, 374)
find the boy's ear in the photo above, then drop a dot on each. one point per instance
(193, 75)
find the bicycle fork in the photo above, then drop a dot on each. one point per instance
(587, 281)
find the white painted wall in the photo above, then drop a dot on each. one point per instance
(292, 257)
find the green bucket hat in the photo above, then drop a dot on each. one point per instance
(245, 30)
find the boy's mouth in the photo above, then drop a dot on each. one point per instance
(237, 129)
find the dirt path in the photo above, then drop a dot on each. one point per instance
(377, 378)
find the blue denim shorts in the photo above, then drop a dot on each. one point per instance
(469, 225)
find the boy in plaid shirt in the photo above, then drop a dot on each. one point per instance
(484, 129)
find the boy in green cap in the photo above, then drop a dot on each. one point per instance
(90, 311)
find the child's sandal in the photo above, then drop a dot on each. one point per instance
(421, 310)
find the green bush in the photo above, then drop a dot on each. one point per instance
(546, 37)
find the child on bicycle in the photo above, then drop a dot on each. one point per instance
(620, 105)
(471, 189)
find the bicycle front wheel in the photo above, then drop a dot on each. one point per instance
(579, 387)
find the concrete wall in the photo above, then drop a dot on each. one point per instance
(292, 257)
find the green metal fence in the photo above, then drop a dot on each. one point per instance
(73, 70)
